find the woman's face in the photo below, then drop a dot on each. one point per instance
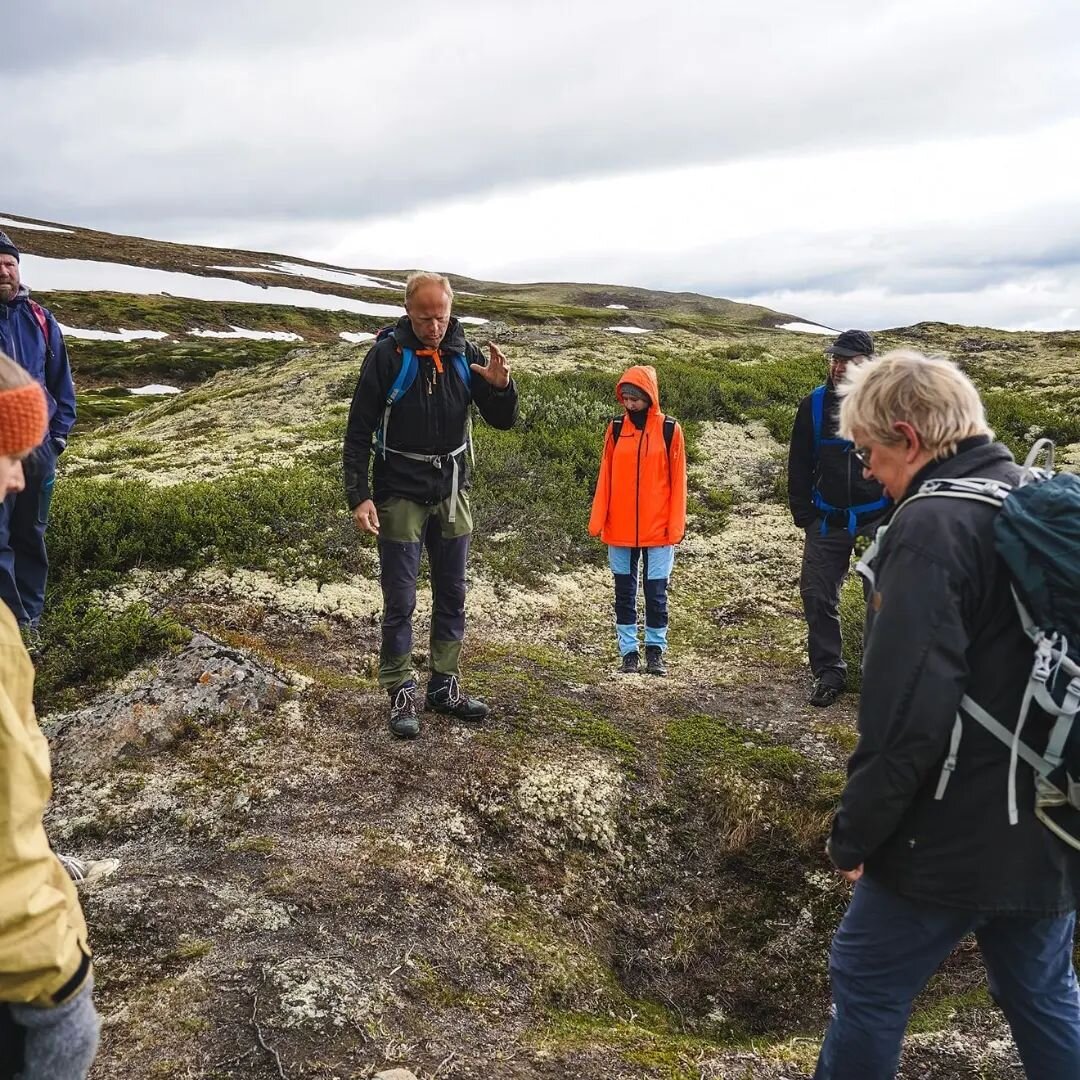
(11, 475)
(632, 398)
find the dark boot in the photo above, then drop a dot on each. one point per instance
(824, 694)
(445, 695)
(631, 663)
(404, 720)
(654, 660)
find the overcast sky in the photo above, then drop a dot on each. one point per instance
(853, 162)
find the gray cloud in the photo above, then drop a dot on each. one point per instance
(249, 110)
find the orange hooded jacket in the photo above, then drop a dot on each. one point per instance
(640, 498)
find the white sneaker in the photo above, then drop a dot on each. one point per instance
(87, 871)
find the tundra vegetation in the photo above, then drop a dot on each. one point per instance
(616, 877)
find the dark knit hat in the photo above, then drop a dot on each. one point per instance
(852, 343)
(7, 247)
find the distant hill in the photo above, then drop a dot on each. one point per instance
(524, 303)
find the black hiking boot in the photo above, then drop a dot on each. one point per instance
(824, 694)
(654, 660)
(631, 663)
(444, 695)
(404, 720)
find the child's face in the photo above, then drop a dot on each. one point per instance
(11, 475)
(632, 401)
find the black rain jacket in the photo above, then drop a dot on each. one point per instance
(835, 472)
(429, 418)
(942, 623)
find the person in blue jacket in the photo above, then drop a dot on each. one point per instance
(31, 336)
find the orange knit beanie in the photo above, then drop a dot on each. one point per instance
(24, 419)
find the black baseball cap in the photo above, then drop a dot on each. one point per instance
(852, 343)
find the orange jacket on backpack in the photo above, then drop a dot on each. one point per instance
(640, 496)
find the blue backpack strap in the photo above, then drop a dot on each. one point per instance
(461, 363)
(817, 413)
(406, 376)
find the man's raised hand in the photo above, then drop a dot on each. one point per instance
(496, 371)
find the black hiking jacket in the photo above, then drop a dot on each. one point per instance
(942, 623)
(835, 472)
(429, 418)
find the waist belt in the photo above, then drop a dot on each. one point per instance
(437, 461)
(852, 512)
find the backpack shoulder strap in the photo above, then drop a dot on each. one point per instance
(42, 319)
(817, 414)
(669, 431)
(972, 488)
(461, 363)
(616, 429)
(406, 376)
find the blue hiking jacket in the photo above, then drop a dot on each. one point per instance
(21, 338)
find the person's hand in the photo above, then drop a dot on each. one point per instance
(367, 517)
(496, 371)
(851, 876)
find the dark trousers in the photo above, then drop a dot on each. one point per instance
(887, 948)
(825, 564)
(399, 567)
(24, 563)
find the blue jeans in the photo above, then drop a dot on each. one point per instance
(887, 948)
(24, 564)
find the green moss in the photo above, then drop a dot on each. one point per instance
(940, 1015)
(600, 734)
(645, 1035)
(695, 743)
(561, 971)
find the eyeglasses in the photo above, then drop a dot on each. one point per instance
(862, 455)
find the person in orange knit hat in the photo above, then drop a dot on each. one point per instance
(639, 511)
(48, 1024)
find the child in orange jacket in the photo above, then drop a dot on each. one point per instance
(639, 511)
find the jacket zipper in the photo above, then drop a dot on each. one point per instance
(637, 491)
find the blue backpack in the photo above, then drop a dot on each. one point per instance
(406, 376)
(817, 413)
(1037, 534)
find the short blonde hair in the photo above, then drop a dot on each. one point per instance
(419, 278)
(12, 375)
(930, 393)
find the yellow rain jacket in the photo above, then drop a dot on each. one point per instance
(44, 957)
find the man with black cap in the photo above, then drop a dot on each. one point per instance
(30, 335)
(832, 502)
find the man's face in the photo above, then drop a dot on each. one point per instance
(838, 366)
(9, 277)
(429, 313)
